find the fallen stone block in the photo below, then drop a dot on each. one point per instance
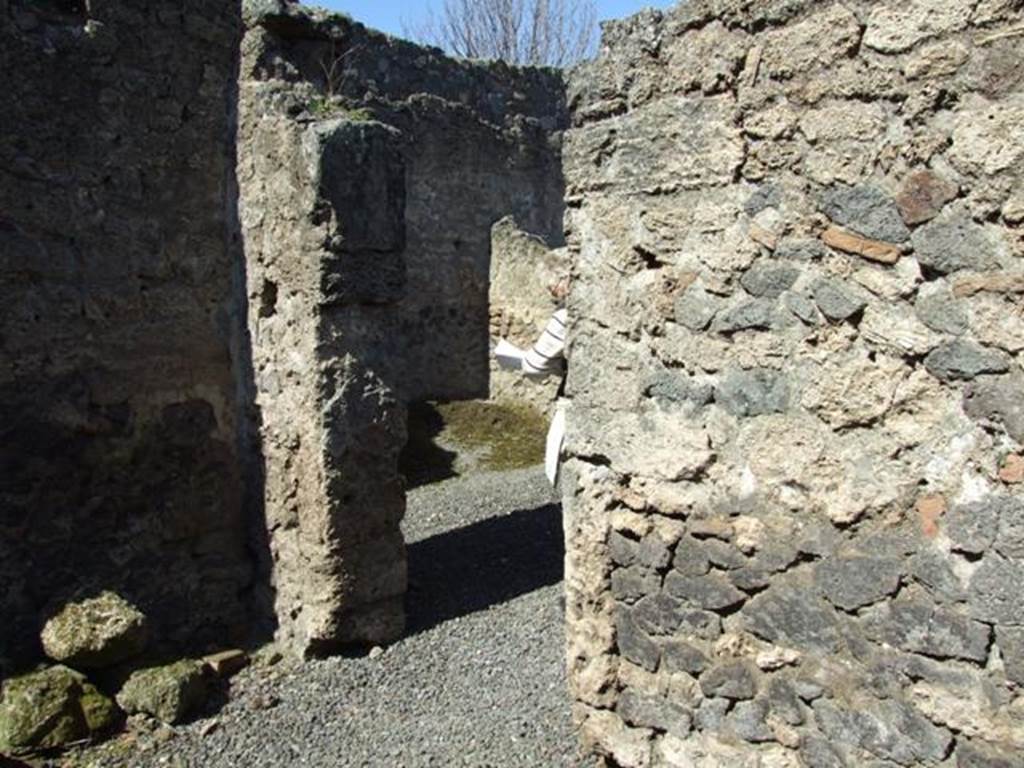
(95, 633)
(170, 693)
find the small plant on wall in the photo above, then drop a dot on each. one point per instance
(330, 103)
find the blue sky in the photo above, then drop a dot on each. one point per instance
(387, 15)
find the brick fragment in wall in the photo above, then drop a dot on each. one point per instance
(922, 196)
(872, 250)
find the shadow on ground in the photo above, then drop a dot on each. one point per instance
(423, 461)
(470, 569)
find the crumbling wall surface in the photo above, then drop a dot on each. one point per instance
(119, 458)
(793, 496)
(524, 269)
(371, 171)
(480, 141)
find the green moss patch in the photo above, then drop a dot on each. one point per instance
(448, 439)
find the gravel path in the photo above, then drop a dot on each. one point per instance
(478, 681)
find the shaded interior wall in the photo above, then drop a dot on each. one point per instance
(371, 171)
(466, 173)
(794, 502)
(119, 447)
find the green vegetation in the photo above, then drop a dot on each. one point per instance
(513, 435)
(324, 108)
(498, 436)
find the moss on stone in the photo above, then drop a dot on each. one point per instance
(170, 693)
(40, 711)
(102, 715)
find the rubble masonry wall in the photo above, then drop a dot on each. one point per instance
(793, 501)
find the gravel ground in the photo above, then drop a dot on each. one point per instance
(478, 681)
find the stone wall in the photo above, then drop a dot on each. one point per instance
(371, 171)
(523, 270)
(120, 354)
(793, 501)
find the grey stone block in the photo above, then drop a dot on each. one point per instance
(1011, 645)
(711, 714)
(724, 555)
(730, 680)
(953, 243)
(982, 755)
(696, 308)
(621, 549)
(866, 210)
(964, 360)
(932, 569)
(750, 578)
(662, 615)
(701, 625)
(654, 712)
(680, 656)
(634, 644)
(836, 301)
(997, 400)
(942, 313)
(972, 527)
(659, 615)
(711, 592)
(994, 593)
(851, 582)
(776, 555)
(795, 617)
(766, 195)
(816, 752)
(748, 721)
(690, 558)
(1009, 510)
(750, 315)
(769, 279)
(919, 626)
(754, 393)
(802, 308)
(890, 730)
(675, 387)
(808, 690)
(785, 703)
(632, 583)
(653, 552)
(801, 250)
